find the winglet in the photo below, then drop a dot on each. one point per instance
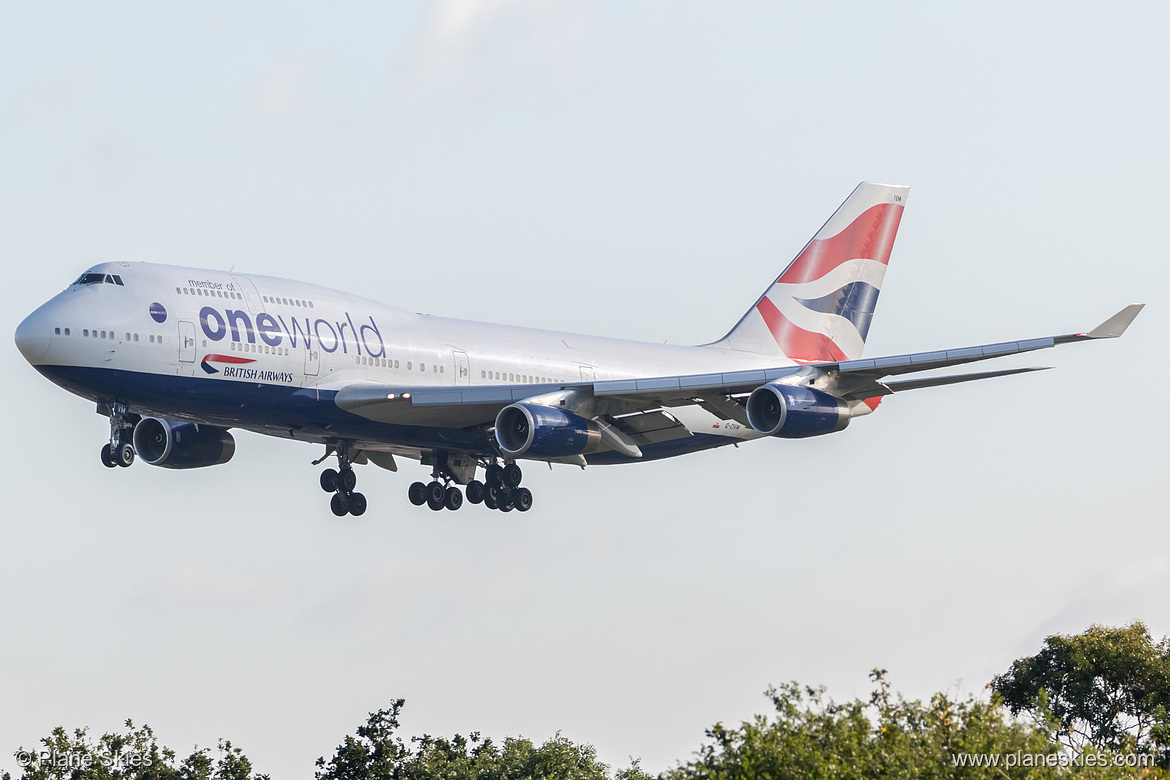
(1116, 325)
(1109, 329)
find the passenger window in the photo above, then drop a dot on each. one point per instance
(136, 337)
(67, 331)
(56, 331)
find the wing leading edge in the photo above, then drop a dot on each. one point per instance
(851, 380)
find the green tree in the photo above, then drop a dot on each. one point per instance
(133, 755)
(808, 736)
(1108, 688)
(377, 753)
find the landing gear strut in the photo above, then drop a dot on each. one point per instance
(499, 490)
(341, 483)
(119, 451)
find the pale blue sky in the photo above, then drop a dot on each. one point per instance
(654, 165)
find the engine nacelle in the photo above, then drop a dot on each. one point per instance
(178, 445)
(544, 432)
(795, 412)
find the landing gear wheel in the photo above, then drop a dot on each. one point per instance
(436, 495)
(475, 491)
(493, 476)
(346, 480)
(523, 498)
(108, 458)
(338, 505)
(124, 455)
(453, 498)
(417, 494)
(329, 480)
(490, 502)
(508, 507)
(357, 504)
(512, 475)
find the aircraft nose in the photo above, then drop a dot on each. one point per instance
(32, 337)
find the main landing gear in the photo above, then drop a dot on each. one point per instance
(341, 483)
(120, 449)
(500, 490)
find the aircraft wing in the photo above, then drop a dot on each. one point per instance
(850, 380)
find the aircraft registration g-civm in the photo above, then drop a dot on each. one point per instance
(175, 357)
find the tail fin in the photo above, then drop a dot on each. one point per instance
(820, 308)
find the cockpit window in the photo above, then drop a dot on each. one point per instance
(99, 279)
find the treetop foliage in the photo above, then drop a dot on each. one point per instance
(134, 755)
(810, 736)
(1106, 688)
(376, 753)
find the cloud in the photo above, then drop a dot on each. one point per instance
(456, 46)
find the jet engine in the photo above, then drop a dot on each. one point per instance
(795, 412)
(544, 432)
(178, 445)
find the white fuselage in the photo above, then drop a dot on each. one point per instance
(264, 333)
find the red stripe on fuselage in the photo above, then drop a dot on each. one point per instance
(229, 359)
(870, 236)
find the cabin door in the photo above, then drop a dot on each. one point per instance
(186, 342)
(462, 368)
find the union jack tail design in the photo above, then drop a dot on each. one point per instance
(820, 308)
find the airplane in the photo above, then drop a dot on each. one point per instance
(175, 357)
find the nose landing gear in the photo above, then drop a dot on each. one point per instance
(119, 451)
